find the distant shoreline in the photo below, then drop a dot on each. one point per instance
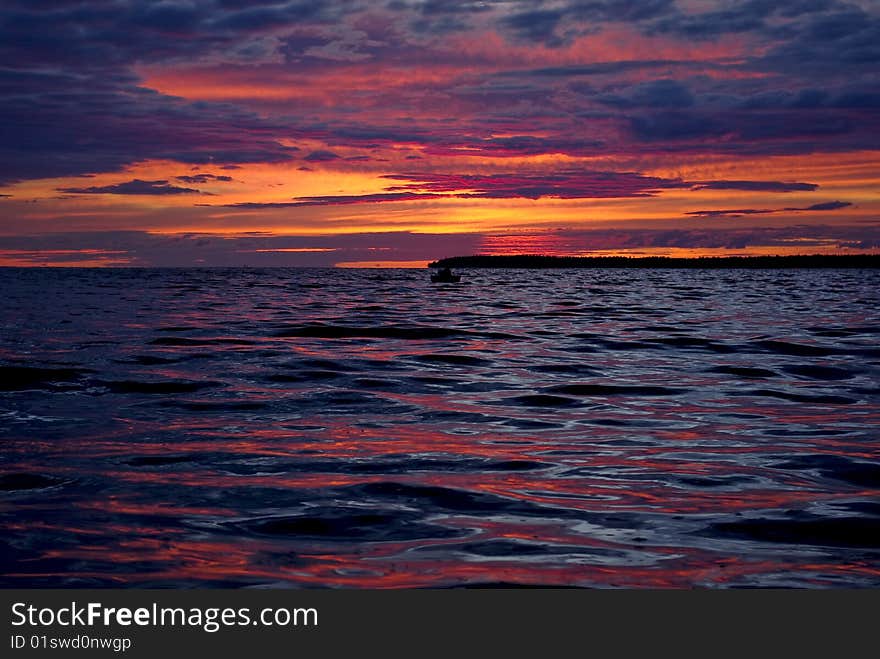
(535, 261)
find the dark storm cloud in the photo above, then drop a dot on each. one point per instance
(677, 126)
(536, 25)
(67, 124)
(72, 103)
(742, 17)
(169, 17)
(624, 11)
(792, 98)
(595, 69)
(763, 132)
(444, 7)
(440, 17)
(134, 187)
(71, 106)
(108, 34)
(67, 89)
(773, 19)
(557, 25)
(654, 94)
(845, 37)
(272, 15)
(865, 98)
(778, 19)
(849, 97)
(803, 42)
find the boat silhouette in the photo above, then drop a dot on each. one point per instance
(445, 276)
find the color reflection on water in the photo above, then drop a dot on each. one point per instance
(351, 428)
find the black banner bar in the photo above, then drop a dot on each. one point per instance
(284, 623)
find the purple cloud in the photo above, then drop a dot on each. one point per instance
(203, 178)
(562, 184)
(736, 212)
(321, 155)
(756, 186)
(75, 76)
(134, 187)
(732, 212)
(826, 206)
(339, 200)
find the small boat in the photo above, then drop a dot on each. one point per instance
(445, 276)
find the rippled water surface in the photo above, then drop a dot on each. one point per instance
(365, 428)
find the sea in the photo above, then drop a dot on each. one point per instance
(365, 428)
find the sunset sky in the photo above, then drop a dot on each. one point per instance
(347, 132)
